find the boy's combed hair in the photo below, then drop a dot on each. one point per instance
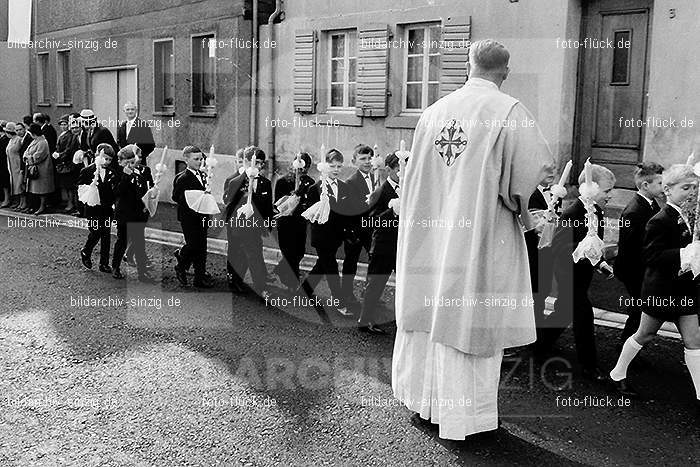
(306, 158)
(362, 149)
(391, 160)
(333, 155)
(187, 150)
(646, 172)
(106, 148)
(598, 174)
(251, 151)
(126, 153)
(678, 173)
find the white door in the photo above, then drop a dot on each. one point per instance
(110, 90)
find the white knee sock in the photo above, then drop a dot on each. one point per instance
(692, 361)
(629, 351)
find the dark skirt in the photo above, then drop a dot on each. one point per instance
(670, 307)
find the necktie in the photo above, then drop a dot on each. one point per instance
(655, 206)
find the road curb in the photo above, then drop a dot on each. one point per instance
(272, 256)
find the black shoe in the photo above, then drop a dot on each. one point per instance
(372, 329)
(202, 283)
(117, 274)
(593, 374)
(181, 275)
(625, 389)
(129, 261)
(146, 279)
(105, 268)
(234, 284)
(85, 259)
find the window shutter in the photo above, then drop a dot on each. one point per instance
(456, 33)
(372, 70)
(304, 71)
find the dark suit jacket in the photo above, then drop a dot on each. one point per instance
(629, 264)
(66, 146)
(236, 195)
(572, 229)
(538, 202)
(384, 238)
(331, 234)
(285, 186)
(128, 191)
(140, 135)
(357, 206)
(99, 135)
(186, 180)
(49, 133)
(106, 188)
(665, 235)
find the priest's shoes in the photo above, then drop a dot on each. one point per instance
(372, 329)
(593, 374)
(624, 388)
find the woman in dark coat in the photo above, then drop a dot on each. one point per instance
(37, 155)
(4, 169)
(66, 171)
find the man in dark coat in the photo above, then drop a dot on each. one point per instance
(135, 131)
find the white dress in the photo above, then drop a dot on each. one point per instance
(456, 390)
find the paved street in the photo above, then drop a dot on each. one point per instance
(159, 375)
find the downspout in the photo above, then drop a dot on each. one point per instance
(271, 84)
(254, 75)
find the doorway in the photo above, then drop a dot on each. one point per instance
(613, 76)
(110, 89)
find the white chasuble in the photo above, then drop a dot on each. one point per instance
(462, 266)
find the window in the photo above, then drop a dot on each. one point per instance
(621, 58)
(163, 75)
(203, 74)
(42, 84)
(63, 72)
(422, 67)
(343, 65)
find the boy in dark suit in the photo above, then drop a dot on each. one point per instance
(382, 255)
(574, 279)
(233, 280)
(246, 233)
(540, 259)
(99, 217)
(629, 264)
(361, 184)
(131, 215)
(291, 229)
(194, 224)
(327, 237)
(667, 295)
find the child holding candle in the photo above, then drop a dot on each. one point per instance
(629, 264)
(574, 278)
(194, 224)
(291, 229)
(666, 294)
(100, 216)
(327, 237)
(252, 189)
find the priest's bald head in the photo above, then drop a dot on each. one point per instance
(488, 60)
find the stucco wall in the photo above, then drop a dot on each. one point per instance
(542, 76)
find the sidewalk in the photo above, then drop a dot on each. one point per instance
(165, 234)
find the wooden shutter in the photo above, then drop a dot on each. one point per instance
(456, 33)
(372, 70)
(304, 71)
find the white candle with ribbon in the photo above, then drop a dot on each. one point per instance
(565, 174)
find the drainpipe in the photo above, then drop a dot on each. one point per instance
(271, 84)
(254, 75)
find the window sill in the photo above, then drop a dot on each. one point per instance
(43, 104)
(407, 121)
(164, 113)
(342, 118)
(64, 104)
(203, 114)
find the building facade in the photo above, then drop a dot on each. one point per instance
(607, 79)
(336, 74)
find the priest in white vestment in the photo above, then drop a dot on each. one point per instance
(463, 284)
